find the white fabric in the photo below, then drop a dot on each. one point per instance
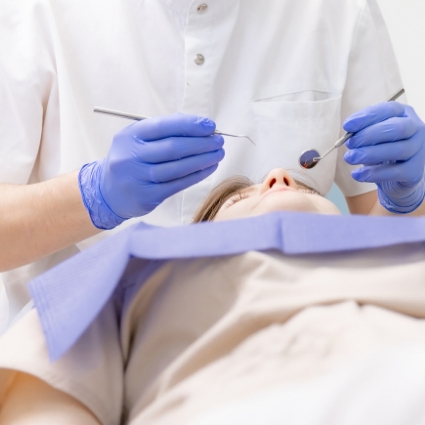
(284, 72)
(386, 388)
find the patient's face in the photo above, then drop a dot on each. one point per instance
(278, 192)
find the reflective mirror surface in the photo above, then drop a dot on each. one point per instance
(306, 159)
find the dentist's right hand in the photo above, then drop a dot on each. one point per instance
(148, 162)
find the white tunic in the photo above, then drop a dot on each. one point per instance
(284, 72)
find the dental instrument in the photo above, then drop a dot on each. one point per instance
(141, 117)
(310, 158)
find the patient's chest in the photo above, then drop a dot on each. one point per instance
(193, 317)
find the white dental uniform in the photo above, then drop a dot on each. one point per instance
(284, 72)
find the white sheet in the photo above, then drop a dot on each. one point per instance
(202, 334)
(387, 388)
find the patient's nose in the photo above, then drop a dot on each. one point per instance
(278, 176)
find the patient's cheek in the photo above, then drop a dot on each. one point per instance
(325, 206)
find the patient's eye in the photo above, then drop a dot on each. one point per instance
(236, 198)
(309, 191)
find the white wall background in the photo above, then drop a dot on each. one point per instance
(406, 24)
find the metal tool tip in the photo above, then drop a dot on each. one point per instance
(252, 141)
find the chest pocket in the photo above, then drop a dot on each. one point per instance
(284, 129)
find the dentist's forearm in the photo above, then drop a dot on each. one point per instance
(378, 209)
(40, 219)
(368, 204)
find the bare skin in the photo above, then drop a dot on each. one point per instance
(289, 196)
(368, 204)
(278, 192)
(40, 219)
(31, 401)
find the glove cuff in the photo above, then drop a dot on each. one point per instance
(101, 215)
(409, 203)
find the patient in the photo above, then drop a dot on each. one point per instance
(210, 340)
(238, 197)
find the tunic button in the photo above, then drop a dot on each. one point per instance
(202, 8)
(199, 59)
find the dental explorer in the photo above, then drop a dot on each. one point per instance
(141, 117)
(309, 159)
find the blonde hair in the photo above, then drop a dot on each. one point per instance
(218, 197)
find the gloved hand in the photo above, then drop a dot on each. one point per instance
(390, 142)
(149, 161)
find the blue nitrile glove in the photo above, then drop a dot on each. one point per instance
(389, 141)
(149, 161)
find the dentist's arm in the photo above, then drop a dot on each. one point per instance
(40, 219)
(368, 204)
(148, 162)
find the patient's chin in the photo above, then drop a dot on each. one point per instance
(324, 206)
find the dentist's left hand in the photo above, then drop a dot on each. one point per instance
(148, 162)
(389, 141)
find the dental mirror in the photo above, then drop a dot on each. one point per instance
(309, 159)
